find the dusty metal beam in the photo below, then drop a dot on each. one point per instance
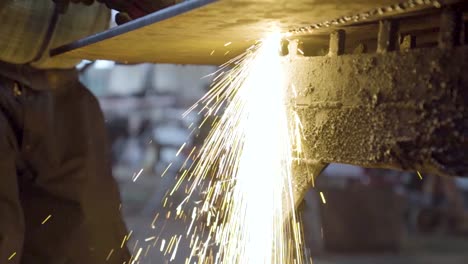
(337, 43)
(404, 110)
(387, 39)
(451, 23)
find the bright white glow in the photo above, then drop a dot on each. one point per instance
(248, 203)
(254, 232)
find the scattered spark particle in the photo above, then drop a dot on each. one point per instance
(323, 198)
(180, 149)
(164, 172)
(187, 159)
(227, 44)
(185, 114)
(150, 238)
(419, 175)
(129, 235)
(208, 219)
(154, 221)
(179, 207)
(175, 249)
(227, 52)
(212, 52)
(135, 246)
(123, 241)
(155, 242)
(147, 249)
(138, 175)
(300, 51)
(163, 242)
(179, 182)
(203, 122)
(46, 219)
(218, 77)
(109, 255)
(169, 245)
(12, 256)
(137, 255)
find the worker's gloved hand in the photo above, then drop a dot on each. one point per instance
(62, 5)
(131, 9)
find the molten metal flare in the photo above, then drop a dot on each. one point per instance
(248, 205)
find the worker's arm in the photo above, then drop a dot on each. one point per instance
(138, 8)
(130, 9)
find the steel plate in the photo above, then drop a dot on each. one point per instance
(198, 31)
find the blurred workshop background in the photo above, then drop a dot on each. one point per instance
(365, 215)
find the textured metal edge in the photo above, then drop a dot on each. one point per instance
(396, 9)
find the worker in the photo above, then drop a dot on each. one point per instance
(59, 203)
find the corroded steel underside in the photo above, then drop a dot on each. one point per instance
(394, 98)
(404, 110)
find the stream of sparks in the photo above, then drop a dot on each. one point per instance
(243, 169)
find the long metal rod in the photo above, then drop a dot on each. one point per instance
(152, 18)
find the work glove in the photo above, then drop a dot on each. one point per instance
(129, 9)
(132, 9)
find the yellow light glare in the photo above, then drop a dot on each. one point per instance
(245, 165)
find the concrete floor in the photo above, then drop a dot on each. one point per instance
(416, 259)
(416, 250)
(429, 250)
(141, 203)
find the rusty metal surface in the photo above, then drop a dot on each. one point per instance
(195, 32)
(404, 110)
(395, 10)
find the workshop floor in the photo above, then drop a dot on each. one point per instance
(141, 201)
(437, 249)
